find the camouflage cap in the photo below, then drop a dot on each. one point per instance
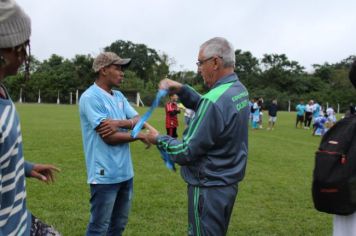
(109, 58)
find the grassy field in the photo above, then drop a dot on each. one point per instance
(274, 198)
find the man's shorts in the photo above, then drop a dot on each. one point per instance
(272, 119)
(300, 118)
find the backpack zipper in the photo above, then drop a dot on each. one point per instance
(343, 158)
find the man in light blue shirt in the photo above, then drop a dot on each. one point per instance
(300, 108)
(106, 116)
(316, 110)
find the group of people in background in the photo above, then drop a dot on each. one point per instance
(256, 113)
(313, 112)
(308, 114)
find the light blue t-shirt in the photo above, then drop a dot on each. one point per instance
(316, 110)
(256, 113)
(106, 164)
(300, 109)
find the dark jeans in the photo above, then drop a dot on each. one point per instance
(110, 207)
(308, 118)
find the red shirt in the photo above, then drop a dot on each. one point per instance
(171, 115)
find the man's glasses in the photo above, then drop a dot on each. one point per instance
(201, 62)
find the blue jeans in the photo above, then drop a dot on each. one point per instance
(110, 206)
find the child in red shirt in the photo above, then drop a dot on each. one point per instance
(172, 110)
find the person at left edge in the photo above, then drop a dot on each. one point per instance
(106, 117)
(15, 218)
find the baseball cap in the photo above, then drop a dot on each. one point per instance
(109, 58)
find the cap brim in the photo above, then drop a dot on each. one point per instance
(124, 62)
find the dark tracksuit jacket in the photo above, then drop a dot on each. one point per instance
(213, 151)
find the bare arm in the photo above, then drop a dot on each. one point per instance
(42, 172)
(109, 127)
(118, 137)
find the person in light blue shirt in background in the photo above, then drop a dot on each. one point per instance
(255, 111)
(316, 110)
(300, 109)
(106, 117)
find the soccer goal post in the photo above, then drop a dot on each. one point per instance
(138, 100)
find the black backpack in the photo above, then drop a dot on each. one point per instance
(334, 177)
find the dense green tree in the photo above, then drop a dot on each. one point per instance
(273, 76)
(146, 62)
(324, 72)
(84, 75)
(246, 63)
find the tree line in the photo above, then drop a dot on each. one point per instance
(274, 76)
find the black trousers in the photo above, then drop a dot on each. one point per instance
(209, 209)
(308, 118)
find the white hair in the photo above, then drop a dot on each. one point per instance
(220, 47)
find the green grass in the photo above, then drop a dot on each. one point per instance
(274, 198)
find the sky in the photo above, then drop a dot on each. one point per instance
(307, 31)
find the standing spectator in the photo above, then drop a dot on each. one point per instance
(105, 117)
(331, 117)
(308, 114)
(316, 110)
(260, 108)
(272, 113)
(15, 218)
(213, 153)
(255, 115)
(321, 112)
(300, 108)
(250, 105)
(172, 110)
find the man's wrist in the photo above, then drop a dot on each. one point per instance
(131, 124)
(140, 136)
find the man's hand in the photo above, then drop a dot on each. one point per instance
(107, 127)
(171, 85)
(152, 134)
(44, 172)
(143, 138)
(149, 130)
